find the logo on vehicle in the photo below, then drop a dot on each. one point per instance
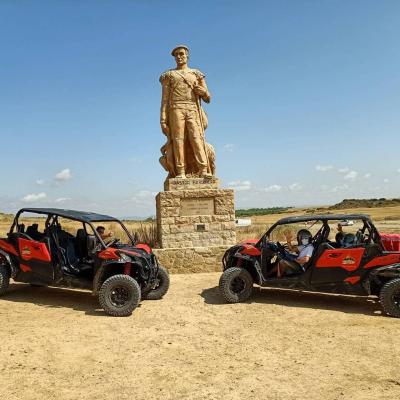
(26, 252)
(348, 260)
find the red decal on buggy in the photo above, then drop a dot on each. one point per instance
(32, 250)
(348, 259)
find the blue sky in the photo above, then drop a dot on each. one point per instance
(305, 99)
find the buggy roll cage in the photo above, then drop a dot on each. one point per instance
(323, 232)
(52, 220)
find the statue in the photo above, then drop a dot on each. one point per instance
(184, 121)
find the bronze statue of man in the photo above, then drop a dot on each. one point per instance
(183, 120)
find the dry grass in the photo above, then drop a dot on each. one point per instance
(387, 219)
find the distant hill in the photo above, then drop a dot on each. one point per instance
(261, 211)
(365, 203)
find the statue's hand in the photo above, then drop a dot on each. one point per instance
(165, 129)
(199, 90)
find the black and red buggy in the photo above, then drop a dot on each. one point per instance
(362, 262)
(56, 247)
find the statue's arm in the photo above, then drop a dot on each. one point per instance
(164, 104)
(206, 97)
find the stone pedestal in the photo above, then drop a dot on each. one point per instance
(195, 222)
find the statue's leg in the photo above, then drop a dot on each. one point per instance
(177, 133)
(196, 141)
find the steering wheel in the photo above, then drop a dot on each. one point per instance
(282, 249)
(113, 242)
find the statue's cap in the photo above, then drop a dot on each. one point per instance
(181, 46)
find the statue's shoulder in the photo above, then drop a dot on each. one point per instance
(198, 73)
(165, 76)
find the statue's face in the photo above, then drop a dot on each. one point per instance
(181, 56)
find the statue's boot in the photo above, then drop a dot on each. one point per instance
(181, 175)
(205, 174)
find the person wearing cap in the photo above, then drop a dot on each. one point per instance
(101, 230)
(182, 119)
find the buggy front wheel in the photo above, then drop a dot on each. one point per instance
(119, 295)
(236, 285)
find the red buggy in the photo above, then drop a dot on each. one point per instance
(120, 274)
(363, 263)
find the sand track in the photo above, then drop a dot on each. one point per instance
(57, 344)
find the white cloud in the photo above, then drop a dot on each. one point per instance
(343, 170)
(240, 185)
(63, 175)
(62, 199)
(323, 168)
(229, 147)
(351, 175)
(367, 175)
(295, 186)
(32, 197)
(340, 188)
(398, 170)
(273, 188)
(386, 180)
(40, 182)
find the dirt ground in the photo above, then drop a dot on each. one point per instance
(57, 344)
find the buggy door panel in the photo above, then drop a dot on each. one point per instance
(335, 265)
(35, 259)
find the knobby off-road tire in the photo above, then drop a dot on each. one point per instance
(390, 297)
(236, 285)
(119, 295)
(4, 278)
(161, 287)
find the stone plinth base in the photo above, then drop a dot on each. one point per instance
(196, 218)
(193, 259)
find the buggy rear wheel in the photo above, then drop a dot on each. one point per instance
(119, 295)
(236, 285)
(4, 278)
(390, 297)
(161, 285)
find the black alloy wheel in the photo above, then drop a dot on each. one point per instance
(119, 295)
(236, 285)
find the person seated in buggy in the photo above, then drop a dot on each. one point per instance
(296, 258)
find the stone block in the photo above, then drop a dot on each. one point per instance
(191, 259)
